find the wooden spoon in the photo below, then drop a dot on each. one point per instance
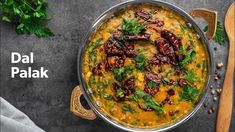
(226, 98)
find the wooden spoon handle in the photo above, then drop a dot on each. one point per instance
(226, 98)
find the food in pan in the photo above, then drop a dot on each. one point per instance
(145, 66)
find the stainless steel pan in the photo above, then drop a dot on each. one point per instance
(76, 106)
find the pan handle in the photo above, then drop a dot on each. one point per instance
(76, 107)
(211, 18)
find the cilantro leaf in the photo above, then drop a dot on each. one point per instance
(152, 84)
(127, 108)
(120, 73)
(220, 35)
(139, 94)
(190, 76)
(141, 62)
(189, 93)
(38, 30)
(188, 57)
(29, 16)
(120, 93)
(149, 101)
(166, 80)
(132, 26)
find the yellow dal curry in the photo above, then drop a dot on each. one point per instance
(159, 91)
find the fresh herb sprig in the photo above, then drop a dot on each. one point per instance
(189, 93)
(152, 84)
(120, 93)
(141, 62)
(220, 35)
(29, 16)
(188, 57)
(132, 26)
(190, 76)
(149, 101)
(121, 73)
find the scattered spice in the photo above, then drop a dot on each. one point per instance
(219, 90)
(212, 109)
(211, 87)
(215, 99)
(209, 111)
(217, 75)
(219, 65)
(213, 92)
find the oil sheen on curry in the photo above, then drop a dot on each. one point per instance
(145, 66)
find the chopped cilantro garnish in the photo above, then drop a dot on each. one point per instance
(120, 73)
(190, 76)
(166, 80)
(120, 93)
(149, 101)
(132, 26)
(189, 93)
(188, 57)
(141, 62)
(152, 84)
